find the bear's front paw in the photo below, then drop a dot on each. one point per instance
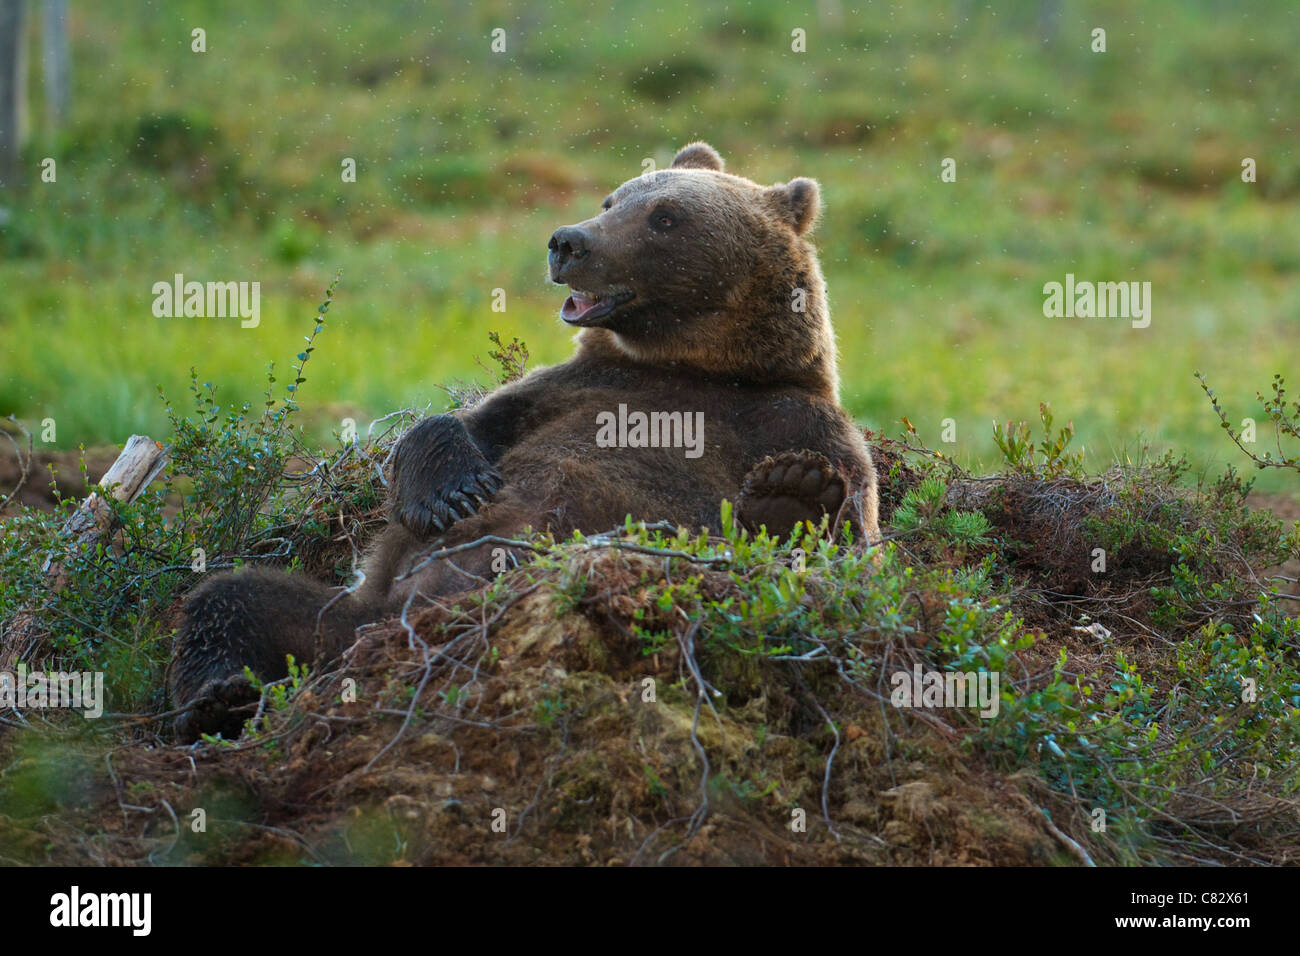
(782, 490)
(221, 707)
(437, 509)
(439, 476)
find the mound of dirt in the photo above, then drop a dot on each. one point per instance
(543, 734)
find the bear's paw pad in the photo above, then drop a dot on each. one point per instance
(782, 490)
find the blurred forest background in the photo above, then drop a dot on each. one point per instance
(225, 165)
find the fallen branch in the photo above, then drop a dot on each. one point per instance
(1072, 845)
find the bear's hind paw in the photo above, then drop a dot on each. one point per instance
(782, 490)
(221, 707)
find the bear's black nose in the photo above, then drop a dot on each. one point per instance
(568, 245)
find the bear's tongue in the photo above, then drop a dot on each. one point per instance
(577, 305)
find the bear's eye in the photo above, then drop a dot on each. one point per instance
(663, 219)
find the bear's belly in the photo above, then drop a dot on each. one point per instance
(589, 475)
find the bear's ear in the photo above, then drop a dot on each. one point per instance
(698, 155)
(798, 202)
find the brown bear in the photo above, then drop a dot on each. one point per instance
(705, 369)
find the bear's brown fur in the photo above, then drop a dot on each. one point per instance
(696, 291)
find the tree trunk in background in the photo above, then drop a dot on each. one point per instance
(54, 61)
(13, 89)
(1049, 20)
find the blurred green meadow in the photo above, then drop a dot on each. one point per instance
(226, 165)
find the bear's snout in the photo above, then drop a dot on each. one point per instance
(569, 245)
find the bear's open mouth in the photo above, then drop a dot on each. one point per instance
(581, 308)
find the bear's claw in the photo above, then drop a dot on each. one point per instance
(434, 513)
(221, 707)
(782, 490)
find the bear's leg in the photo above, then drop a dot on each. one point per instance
(251, 619)
(782, 490)
(391, 576)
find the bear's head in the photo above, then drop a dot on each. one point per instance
(693, 266)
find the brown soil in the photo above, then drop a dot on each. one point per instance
(62, 469)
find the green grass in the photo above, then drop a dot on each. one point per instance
(225, 165)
